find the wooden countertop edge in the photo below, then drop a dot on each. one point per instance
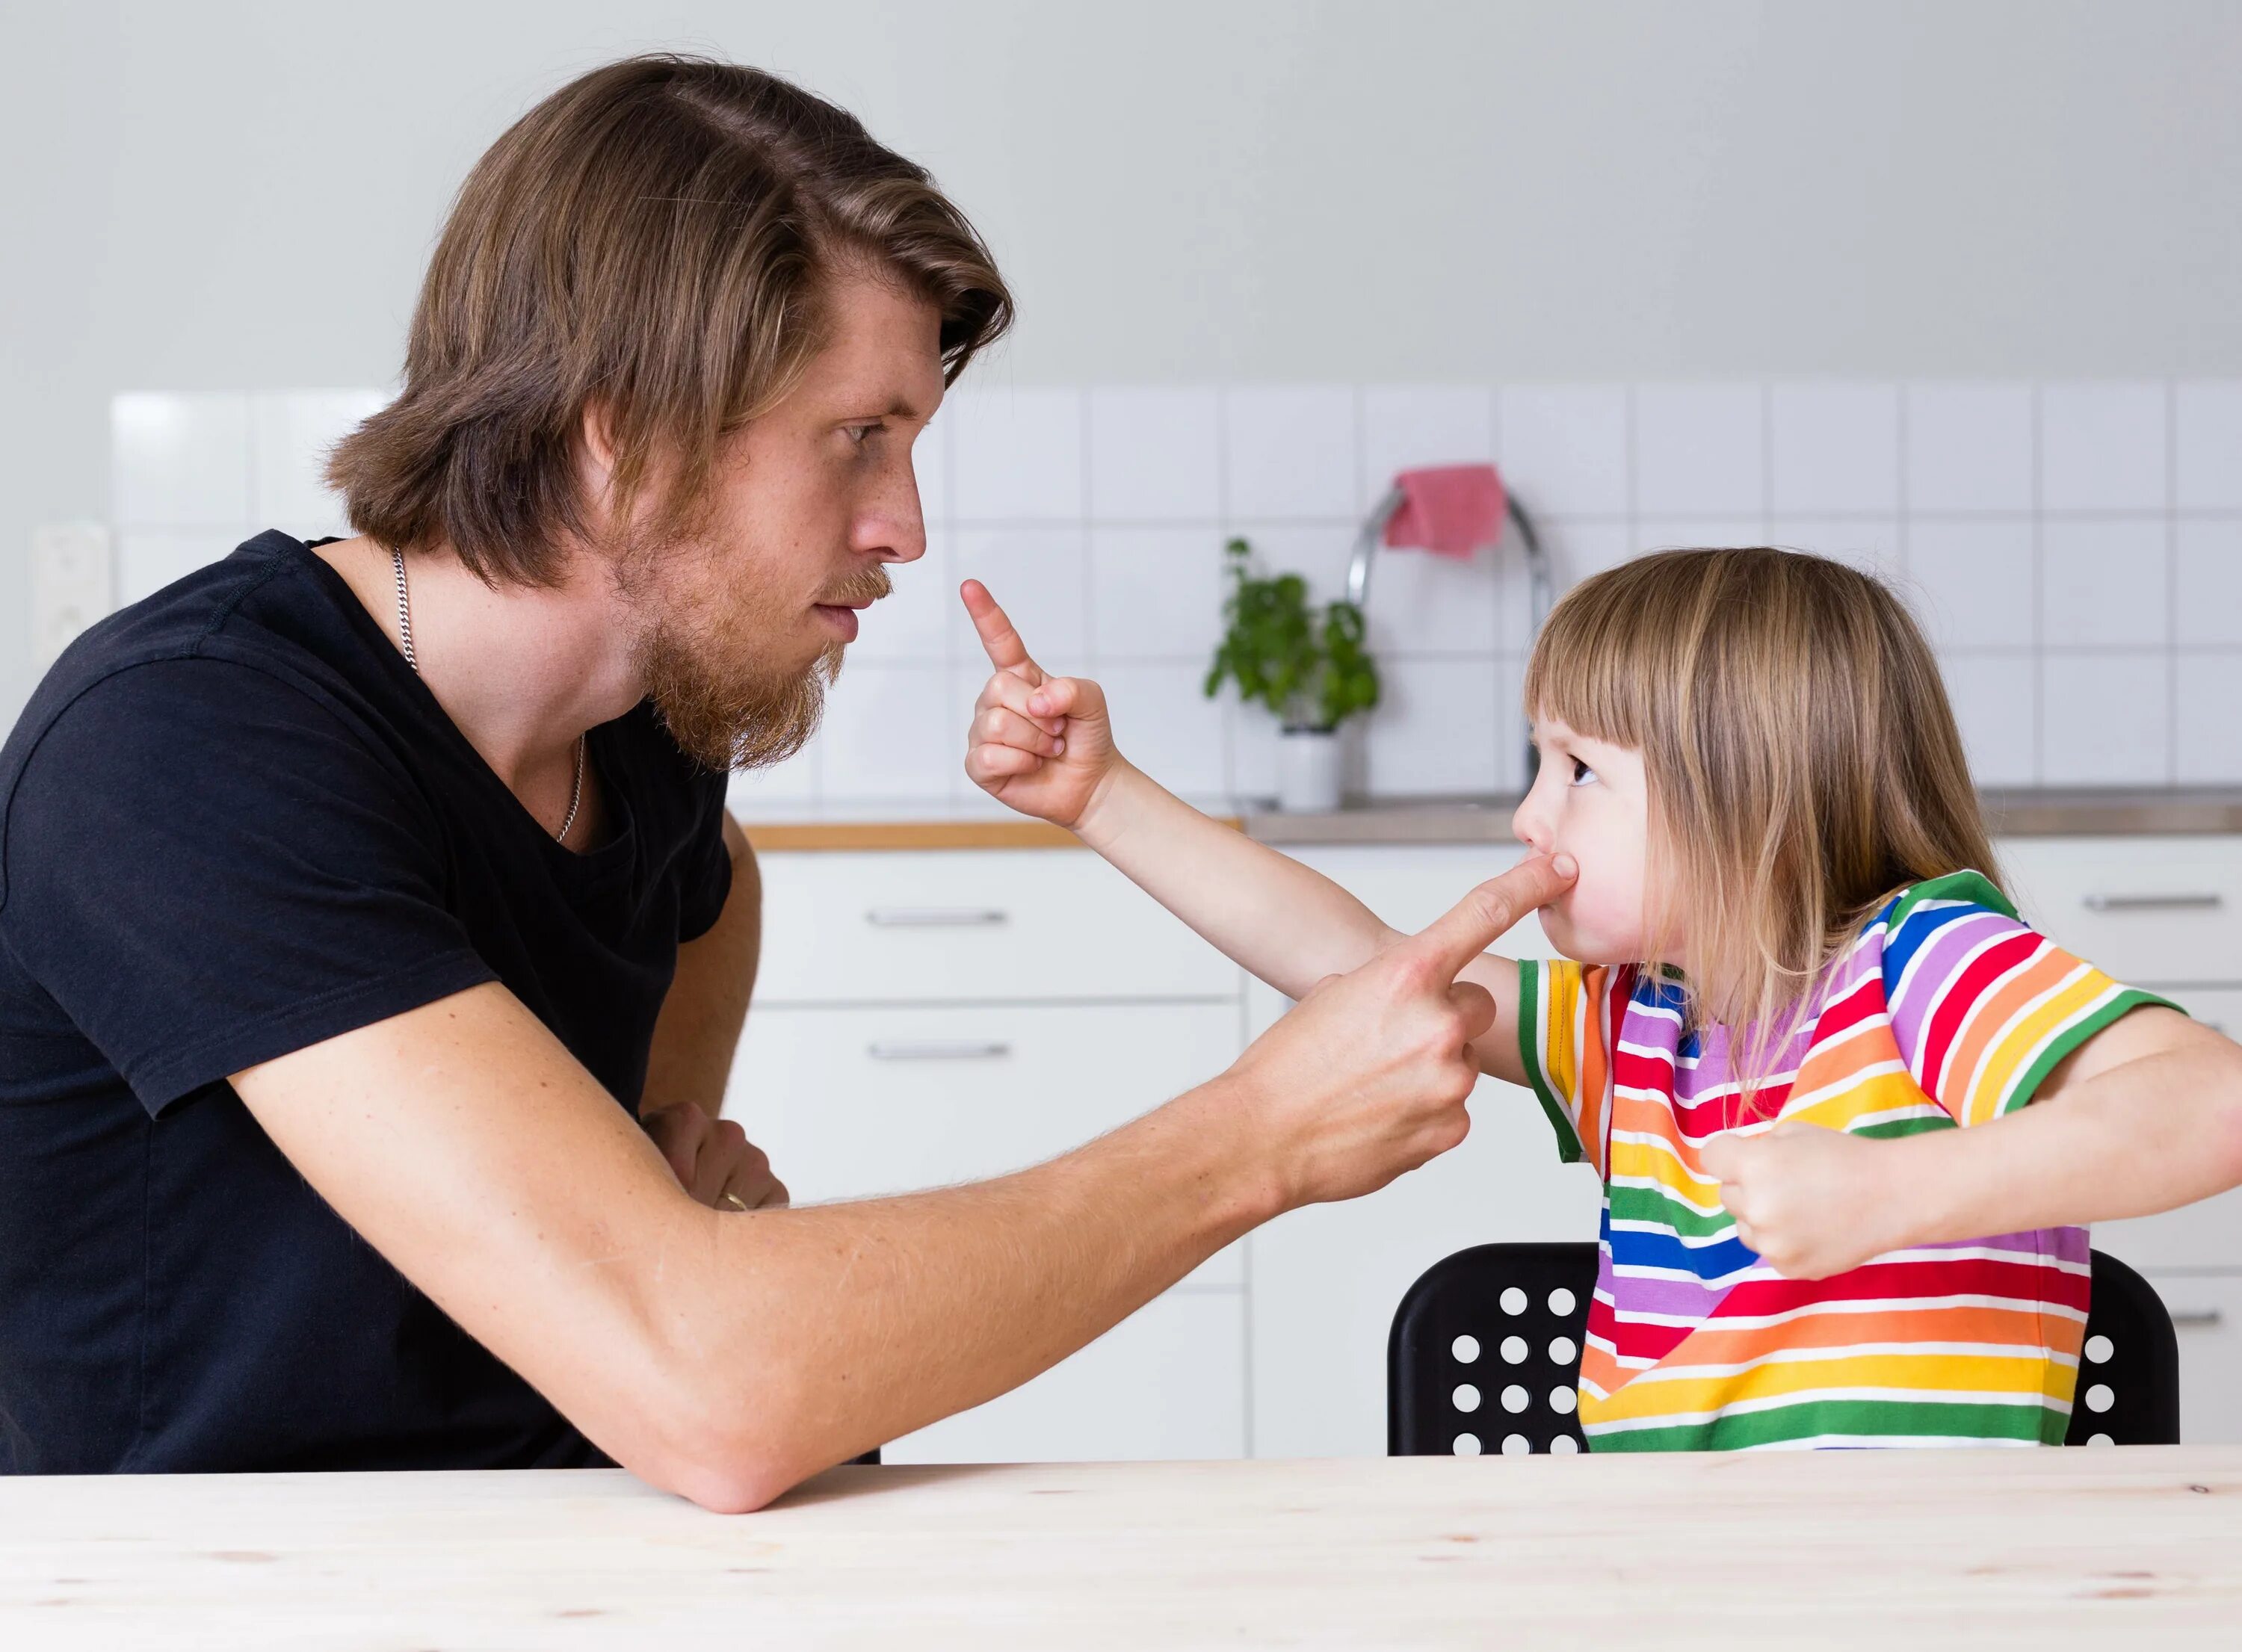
(839, 836)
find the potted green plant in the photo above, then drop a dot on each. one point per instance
(1307, 666)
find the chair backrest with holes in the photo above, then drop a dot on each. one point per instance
(1484, 1353)
(2129, 1372)
(1485, 1356)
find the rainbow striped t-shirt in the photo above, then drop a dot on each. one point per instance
(1946, 1011)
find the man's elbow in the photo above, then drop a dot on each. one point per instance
(731, 1488)
(735, 1450)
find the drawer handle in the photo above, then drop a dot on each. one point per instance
(2155, 903)
(2199, 1316)
(937, 1050)
(933, 917)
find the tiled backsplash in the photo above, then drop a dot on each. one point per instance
(2075, 550)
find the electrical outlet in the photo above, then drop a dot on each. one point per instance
(73, 584)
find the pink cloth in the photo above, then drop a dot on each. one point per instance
(1450, 509)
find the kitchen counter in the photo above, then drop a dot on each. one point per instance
(2080, 1548)
(981, 825)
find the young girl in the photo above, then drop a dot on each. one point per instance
(1791, 982)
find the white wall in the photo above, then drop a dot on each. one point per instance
(230, 195)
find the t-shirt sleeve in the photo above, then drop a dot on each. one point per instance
(1564, 1043)
(1982, 1006)
(206, 867)
(707, 866)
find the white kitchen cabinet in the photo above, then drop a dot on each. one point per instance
(994, 926)
(925, 1019)
(851, 1100)
(2206, 1312)
(2144, 910)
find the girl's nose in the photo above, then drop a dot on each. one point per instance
(1529, 825)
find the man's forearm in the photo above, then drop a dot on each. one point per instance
(909, 1309)
(1286, 923)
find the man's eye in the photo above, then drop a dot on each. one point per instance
(861, 433)
(1582, 772)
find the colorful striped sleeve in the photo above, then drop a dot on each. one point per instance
(1982, 1006)
(1564, 1043)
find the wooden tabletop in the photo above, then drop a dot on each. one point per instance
(2108, 1548)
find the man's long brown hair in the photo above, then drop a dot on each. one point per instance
(656, 237)
(1800, 756)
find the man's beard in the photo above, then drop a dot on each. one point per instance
(703, 664)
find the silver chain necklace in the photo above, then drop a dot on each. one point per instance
(405, 640)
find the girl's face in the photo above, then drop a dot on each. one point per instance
(1589, 801)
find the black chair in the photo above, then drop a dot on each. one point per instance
(1485, 1351)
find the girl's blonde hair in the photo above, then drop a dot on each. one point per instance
(1802, 761)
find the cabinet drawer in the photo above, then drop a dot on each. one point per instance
(2143, 910)
(2219, 1008)
(1168, 1383)
(2207, 1234)
(851, 1101)
(2206, 1312)
(977, 925)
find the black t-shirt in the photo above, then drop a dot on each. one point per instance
(234, 823)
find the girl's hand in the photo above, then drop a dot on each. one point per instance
(1811, 1201)
(1041, 745)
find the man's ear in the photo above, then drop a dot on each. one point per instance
(597, 442)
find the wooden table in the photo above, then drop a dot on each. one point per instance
(2111, 1549)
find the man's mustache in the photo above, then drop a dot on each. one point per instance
(868, 585)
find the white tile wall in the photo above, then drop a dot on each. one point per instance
(2106, 717)
(1700, 449)
(1289, 452)
(2075, 550)
(2102, 447)
(1155, 453)
(2105, 581)
(1832, 449)
(1969, 447)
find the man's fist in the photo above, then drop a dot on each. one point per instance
(713, 1159)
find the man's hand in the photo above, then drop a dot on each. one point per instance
(713, 1159)
(1811, 1201)
(1366, 1078)
(1038, 744)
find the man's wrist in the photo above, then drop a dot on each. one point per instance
(1245, 1187)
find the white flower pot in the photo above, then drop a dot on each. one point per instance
(1308, 770)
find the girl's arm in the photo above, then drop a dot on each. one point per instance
(1043, 746)
(2144, 1116)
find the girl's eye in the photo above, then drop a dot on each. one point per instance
(1582, 772)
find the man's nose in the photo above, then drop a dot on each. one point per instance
(894, 535)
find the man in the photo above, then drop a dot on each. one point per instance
(373, 942)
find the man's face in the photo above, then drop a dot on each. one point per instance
(744, 621)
